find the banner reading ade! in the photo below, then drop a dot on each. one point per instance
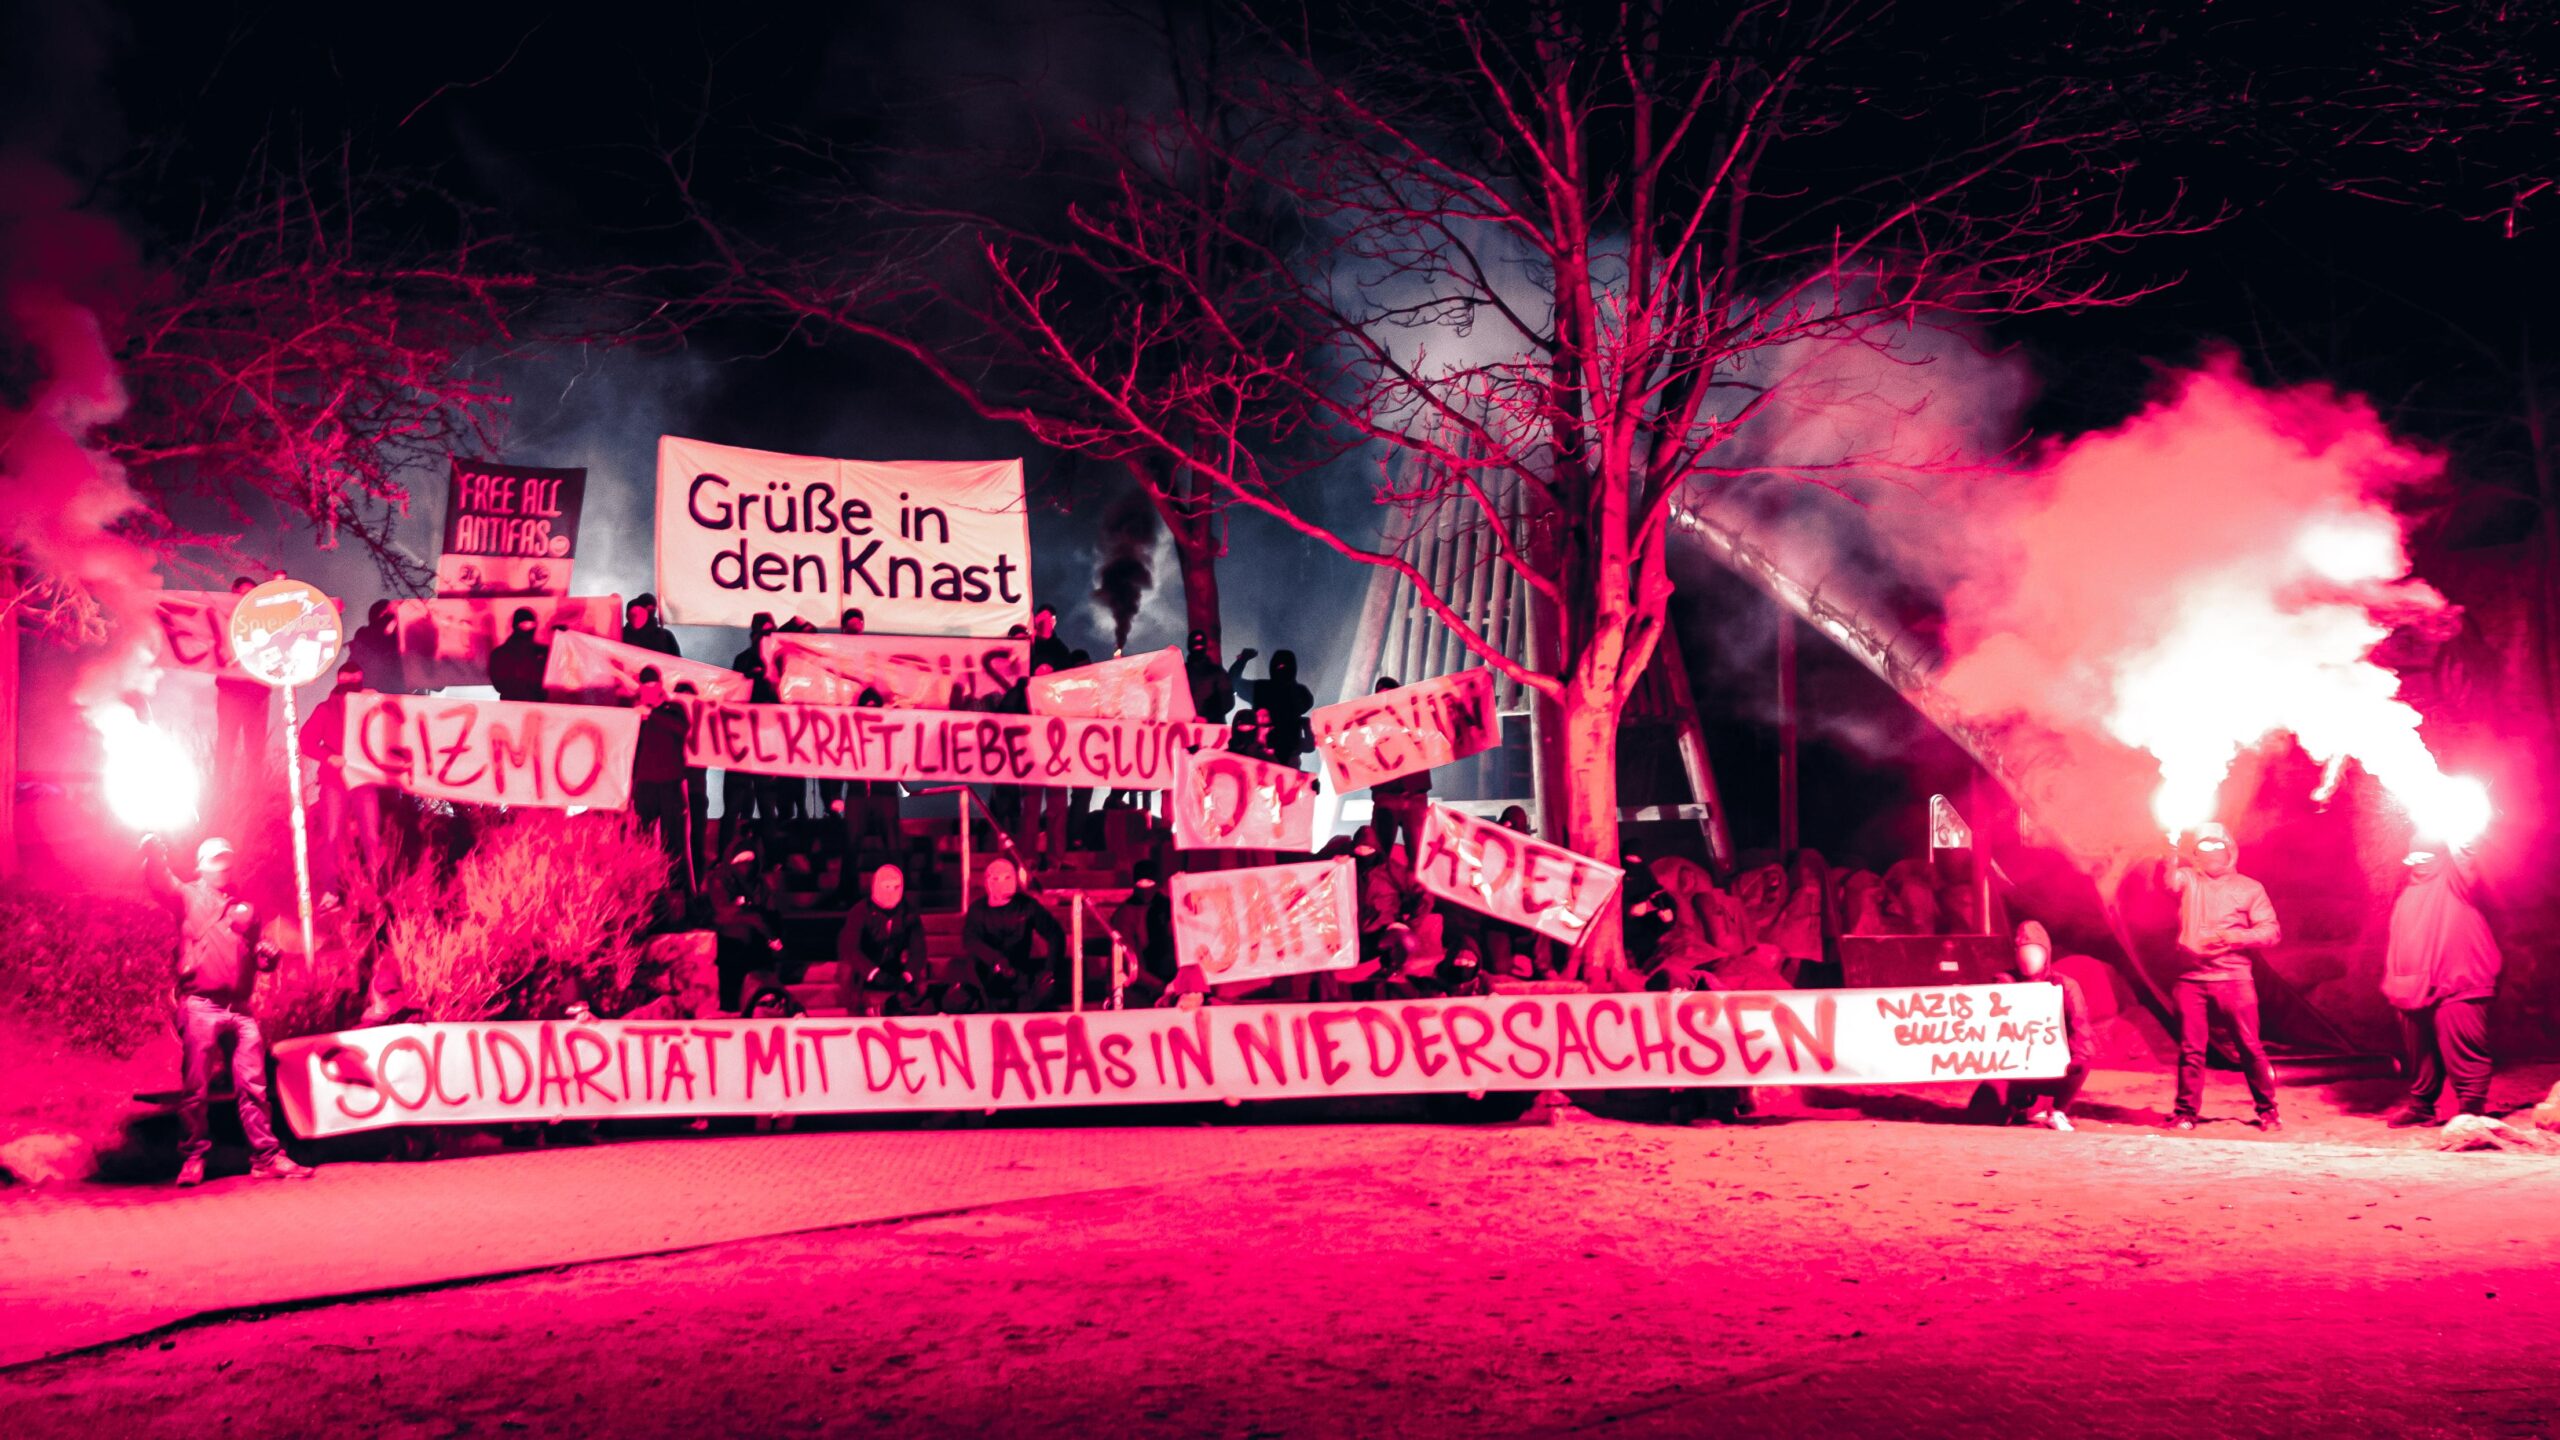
(921, 547)
(600, 1070)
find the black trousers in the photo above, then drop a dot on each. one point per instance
(2235, 1000)
(2448, 1038)
(659, 805)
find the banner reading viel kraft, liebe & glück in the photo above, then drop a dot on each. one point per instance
(920, 547)
(600, 1070)
(853, 742)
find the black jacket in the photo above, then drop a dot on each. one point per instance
(659, 760)
(516, 667)
(881, 950)
(998, 940)
(652, 636)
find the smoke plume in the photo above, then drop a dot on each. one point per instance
(1124, 556)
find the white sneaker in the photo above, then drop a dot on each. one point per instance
(2056, 1120)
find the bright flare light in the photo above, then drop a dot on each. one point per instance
(151, 783)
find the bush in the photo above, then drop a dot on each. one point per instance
(536, 903)
(92, 968)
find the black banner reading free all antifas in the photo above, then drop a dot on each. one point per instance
(510, 529)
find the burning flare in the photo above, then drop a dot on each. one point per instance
(151, 784)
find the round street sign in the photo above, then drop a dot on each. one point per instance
(286, 632)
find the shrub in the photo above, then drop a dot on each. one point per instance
(536, 902)
(93, 968)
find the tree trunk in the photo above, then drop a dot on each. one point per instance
(1195, 549)
(1590, 723)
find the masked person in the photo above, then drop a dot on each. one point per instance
(1391, 904)
(217, 964)
(375, 650)
(1046, 648)
(346, 821)
(881, 965)
(2224, 921)
(1400, 804)
(241, 705)
(516, 666)
(640, 627)
(2440, 971)
(658, 798)
(1000, 939)
(746, 798)
(2047, 1102)
(741, 905)
(1288, 703)
(1213, 691)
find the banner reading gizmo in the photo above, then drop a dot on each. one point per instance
(560, 1070)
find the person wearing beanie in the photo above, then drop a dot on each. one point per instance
(516, 667)
(2224, 921)
(2440, 971)
(2046, 1102)
(640, 627)
(218, 959)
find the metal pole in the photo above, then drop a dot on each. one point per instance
(965, 798)
(1787, 835)
(301, 839)
(1075, 948)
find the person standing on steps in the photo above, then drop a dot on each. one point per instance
(2224, 921)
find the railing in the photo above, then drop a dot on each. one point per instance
(1079, 904)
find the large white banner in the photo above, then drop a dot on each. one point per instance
(1268, 920)
(1511, 876)
(1398, 732)
(837, 742)
(911, 672)
(1152, 686)
(504, 1071)
(588, 670)
(921, 547)
(448, 642)
(1225, 801)
(493, 752)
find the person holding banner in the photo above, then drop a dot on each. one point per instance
(2045, 1102)
(1400, 802)
(346, 821)
(640, 627)
(516, 666)
(376, 650)
(1392, 905)
(999, 940)
(658, 799)
(745, 797)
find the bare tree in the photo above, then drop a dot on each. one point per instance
(1545, 262)
(886, 242)
(292, 358)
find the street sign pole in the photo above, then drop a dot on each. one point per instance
(301, 832)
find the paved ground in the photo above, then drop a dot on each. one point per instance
(1827, 1274)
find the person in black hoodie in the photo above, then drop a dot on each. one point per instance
(2045, 1102)
(376, 650)
(746, 798)
(741, 906)
(658, 799)
(998, 940)
(1213, 691)
(881, 965)
(1144, 923)
(1046, 648)
(516, 666)
(640, 627)
(1400, 804)
(1288, 701)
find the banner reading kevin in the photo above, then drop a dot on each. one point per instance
(839, 742)
(1511, 876)
(496, 1072)
(1153, 686)
(909, 672)
(590, 670)
(921, 547)
(1397, 732)
(1268, 920)
(493, 752)
(1225, 801)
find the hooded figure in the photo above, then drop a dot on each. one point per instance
(375, 649)
(2046, 1102)
(1288, 701)
(516, 666)
(2224, 920)
(1212, 692)
(640, 627)
(217, 964)
(880, 952)
(2440, 972)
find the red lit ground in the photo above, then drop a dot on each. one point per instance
(1828, 1274)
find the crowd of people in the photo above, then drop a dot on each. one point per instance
(1771, 927)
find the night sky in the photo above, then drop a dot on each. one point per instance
(554, 119)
